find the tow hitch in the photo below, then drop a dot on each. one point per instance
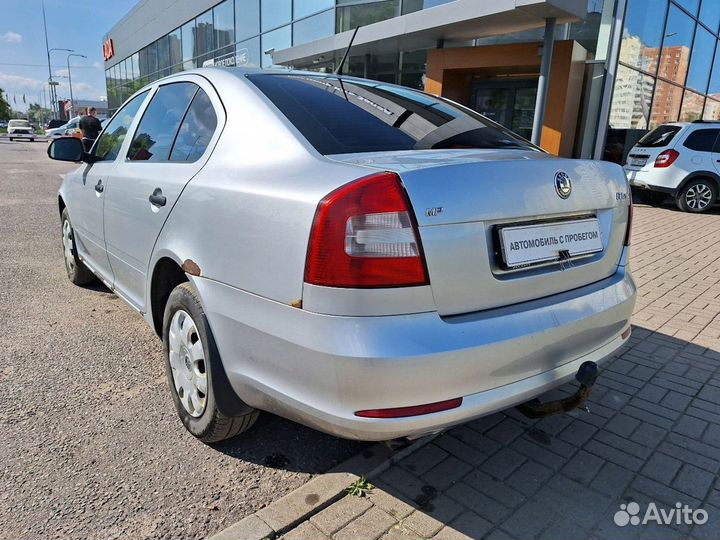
(586, 376)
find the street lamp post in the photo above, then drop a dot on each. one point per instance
(52, 86)
(72, 100)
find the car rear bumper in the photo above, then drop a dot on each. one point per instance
(21, 134)
(320, 369)
(663, 180)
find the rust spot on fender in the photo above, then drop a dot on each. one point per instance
(191, 267)
(297, 304)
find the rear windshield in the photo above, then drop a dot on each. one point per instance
(19, 123)
(660, 136)
(344, 116)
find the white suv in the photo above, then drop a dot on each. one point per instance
(680, 159)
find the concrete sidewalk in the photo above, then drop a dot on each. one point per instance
(651, 436)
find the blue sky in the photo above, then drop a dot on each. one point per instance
(72, 24)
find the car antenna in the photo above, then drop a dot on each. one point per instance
(338, 70)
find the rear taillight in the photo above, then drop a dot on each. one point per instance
(666, 158)
(364, 236)
(628, 230)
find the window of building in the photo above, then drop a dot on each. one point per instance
(274, 41)
(175, 48)
(642, 35)
(155, 135)
(113, 135)
(163, 52)
(247, 53)
(275, 13)
(690, 5)
(348, 17)
(701, 59)
(712, 110)
(247, 19)
(692, 106)
(678, 42)
(224, 27)
(710, 14)
(303, 8)
(409, 6)
(196, 130)
(188, 45)
(315, 27)
(702, 140)
(152, 61)
(666, 104)
(204, 37)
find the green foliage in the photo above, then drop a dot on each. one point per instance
(4, 107)
(360, 487)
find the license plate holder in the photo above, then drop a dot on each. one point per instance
(638, 162)
(538, 243)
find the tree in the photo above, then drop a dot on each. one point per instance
(4, 107)
(38, 114)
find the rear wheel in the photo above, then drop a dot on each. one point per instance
(697, 196)
(189, 347)
(77, 272)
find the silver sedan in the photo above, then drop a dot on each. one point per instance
(363, 258)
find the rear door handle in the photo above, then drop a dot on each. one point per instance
(99, 187)
(157, 198)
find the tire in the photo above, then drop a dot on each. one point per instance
(189, 372)
(32, 140)
(11, 139)
(697, 196)
(646, 196)
(76, 270)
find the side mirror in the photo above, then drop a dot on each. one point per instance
(66, 149)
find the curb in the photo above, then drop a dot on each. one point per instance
(294, 508)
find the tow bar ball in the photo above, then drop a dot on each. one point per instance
(586, 375)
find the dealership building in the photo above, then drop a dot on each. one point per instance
(584, 78)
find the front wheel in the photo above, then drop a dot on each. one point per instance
(697, 196)
(190, 353)
(77, 272)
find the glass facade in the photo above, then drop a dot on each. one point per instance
(669, 69)
(240, 32)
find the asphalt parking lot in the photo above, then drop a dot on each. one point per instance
(91, 446)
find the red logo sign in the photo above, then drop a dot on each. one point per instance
(108, 49)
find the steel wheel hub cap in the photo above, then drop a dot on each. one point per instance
(698, 197)
(68, 247)
(187, 363)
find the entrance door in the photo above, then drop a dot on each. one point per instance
(509, 103)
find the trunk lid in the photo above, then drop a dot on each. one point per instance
(463, 199)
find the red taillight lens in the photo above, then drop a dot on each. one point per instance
(628, 230)
(364, 236)
(416, 410)
(666, 158)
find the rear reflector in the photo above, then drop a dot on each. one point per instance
(626, 333)
(628, 229)
(417, 410)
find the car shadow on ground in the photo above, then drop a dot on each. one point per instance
(651, 435)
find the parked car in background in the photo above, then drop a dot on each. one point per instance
(69, 129)
(680, 160)
(55, 123)
(364, 258)
(20, 129)
(3, 124)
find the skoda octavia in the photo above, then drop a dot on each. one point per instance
(363, 258)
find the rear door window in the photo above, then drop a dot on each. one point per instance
(702, 140)
(658, 137)
(156, 133)
(342, 116)
(196, 130)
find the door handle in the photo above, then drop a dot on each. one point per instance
(99, 187)
(157, 198)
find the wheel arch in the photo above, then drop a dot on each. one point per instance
(695, 175)
(166, 275)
